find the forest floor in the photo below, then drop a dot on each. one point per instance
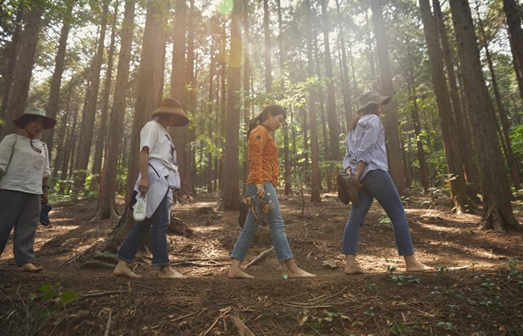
(477, 288)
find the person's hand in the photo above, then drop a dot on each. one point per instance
(143, 185)
(45, 199)
(260, 191)
(348, 171)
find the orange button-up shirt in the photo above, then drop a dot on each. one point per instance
(263, 157)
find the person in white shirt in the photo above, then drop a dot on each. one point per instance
(24, 169)
(158, 177)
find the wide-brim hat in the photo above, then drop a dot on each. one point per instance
(21, 121)
(172, 106)
(372, 97)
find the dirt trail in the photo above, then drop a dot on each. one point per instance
(481, 297)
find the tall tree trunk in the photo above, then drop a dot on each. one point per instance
(268, 51)
(387, 88)
(230, 193)
(464, 136)
(353, 72)
(223, 102)
(370, 49)
(332, 116)
(505, 130)
(107, 191)
(56, 81)
(11, 53)
(188, 151)
(104, 127)
(515, 36)
(321, 97)
(148, 97)
(305, 127)
(69, 144)
(424, 171)
(86, 134)
(286, 154)
(19, 90)
(497, 212)
(246, 84)
(315, 155)
(179, 85)
(458, 187)
(210, 108)
(149, 82)
(74, 152)
(64, 120)
(347, 91)
(406, 161)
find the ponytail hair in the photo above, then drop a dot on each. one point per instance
(274, 110)
(370, 109)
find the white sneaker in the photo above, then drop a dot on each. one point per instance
(139, 209)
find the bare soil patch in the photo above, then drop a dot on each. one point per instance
(475, 292)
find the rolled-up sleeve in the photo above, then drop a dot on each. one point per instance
(148, 136)
(6, 147)
(346, 159)
(47, 168)
(371, 130)
(257, 141)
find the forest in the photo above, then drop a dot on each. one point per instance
(454, 142)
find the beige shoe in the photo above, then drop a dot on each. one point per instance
(31, 268)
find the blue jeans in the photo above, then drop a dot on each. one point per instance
(160, 222)
(378, 184)
(279, 239)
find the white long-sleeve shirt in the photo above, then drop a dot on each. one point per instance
(366, 143)
(25, 168)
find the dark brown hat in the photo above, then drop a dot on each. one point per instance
(30, 112)
(172, 106)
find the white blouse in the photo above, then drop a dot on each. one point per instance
(25, 169)
(156, 137)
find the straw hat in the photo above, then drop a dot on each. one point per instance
(21, 121)
(372, 97)
(173, 107)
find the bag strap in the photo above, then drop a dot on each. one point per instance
(150, 165)
(11, 156)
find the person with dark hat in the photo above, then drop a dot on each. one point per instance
(24, 169)
(366, 160)
(153, 190)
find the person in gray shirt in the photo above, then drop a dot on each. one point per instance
(24, 169)
(366, 159)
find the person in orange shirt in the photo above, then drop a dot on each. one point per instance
(261, 182)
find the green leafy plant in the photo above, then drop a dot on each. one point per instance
(398, 328)
(493, 303)
(435, 291)
(400, 279)
(370, 286)
(385, 221)
(447, 325)
(457, 294)
(371, 312)
(55, 293)
(489, 283)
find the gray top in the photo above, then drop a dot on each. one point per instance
(366, 142)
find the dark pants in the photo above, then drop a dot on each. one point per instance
(21, 211)
(159, 221)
